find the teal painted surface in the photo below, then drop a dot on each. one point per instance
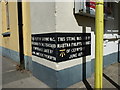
(0, 51)
(62, 78)
(119, 56)
(73, 75)
(15, 56)
(28, 63)
(45, 74)
(92, 66)
(110, 59)
(66, 77)
(11, 54)
(69, 76)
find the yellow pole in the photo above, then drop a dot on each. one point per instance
(99, 21)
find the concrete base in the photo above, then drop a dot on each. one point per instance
(66, 77)
(16, 79)
(62, 78)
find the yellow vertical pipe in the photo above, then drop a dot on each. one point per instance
(99, 21)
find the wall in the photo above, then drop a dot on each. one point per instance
(0, 29)
(12, 41)
(59, 17)
(10, 44)
(0, 48)
(45, 14)
(110, 50)
(0, 25)
(43, 21)
(27, 35)
(74, 70)
(111, 25)
(65, 19)
(52, 18)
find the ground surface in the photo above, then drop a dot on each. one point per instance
(11, 78)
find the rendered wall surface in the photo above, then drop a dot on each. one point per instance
(59, 17)
(0, 24)
(10, 42)
(65, 19)
(10, 45)
(55, 17)
(58, 20)
(27, 35)
(45, 14)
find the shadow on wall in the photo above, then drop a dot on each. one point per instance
(85, 21)
(85, 69)
(119, 51)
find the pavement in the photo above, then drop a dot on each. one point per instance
(111, 79)
(11, 78)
